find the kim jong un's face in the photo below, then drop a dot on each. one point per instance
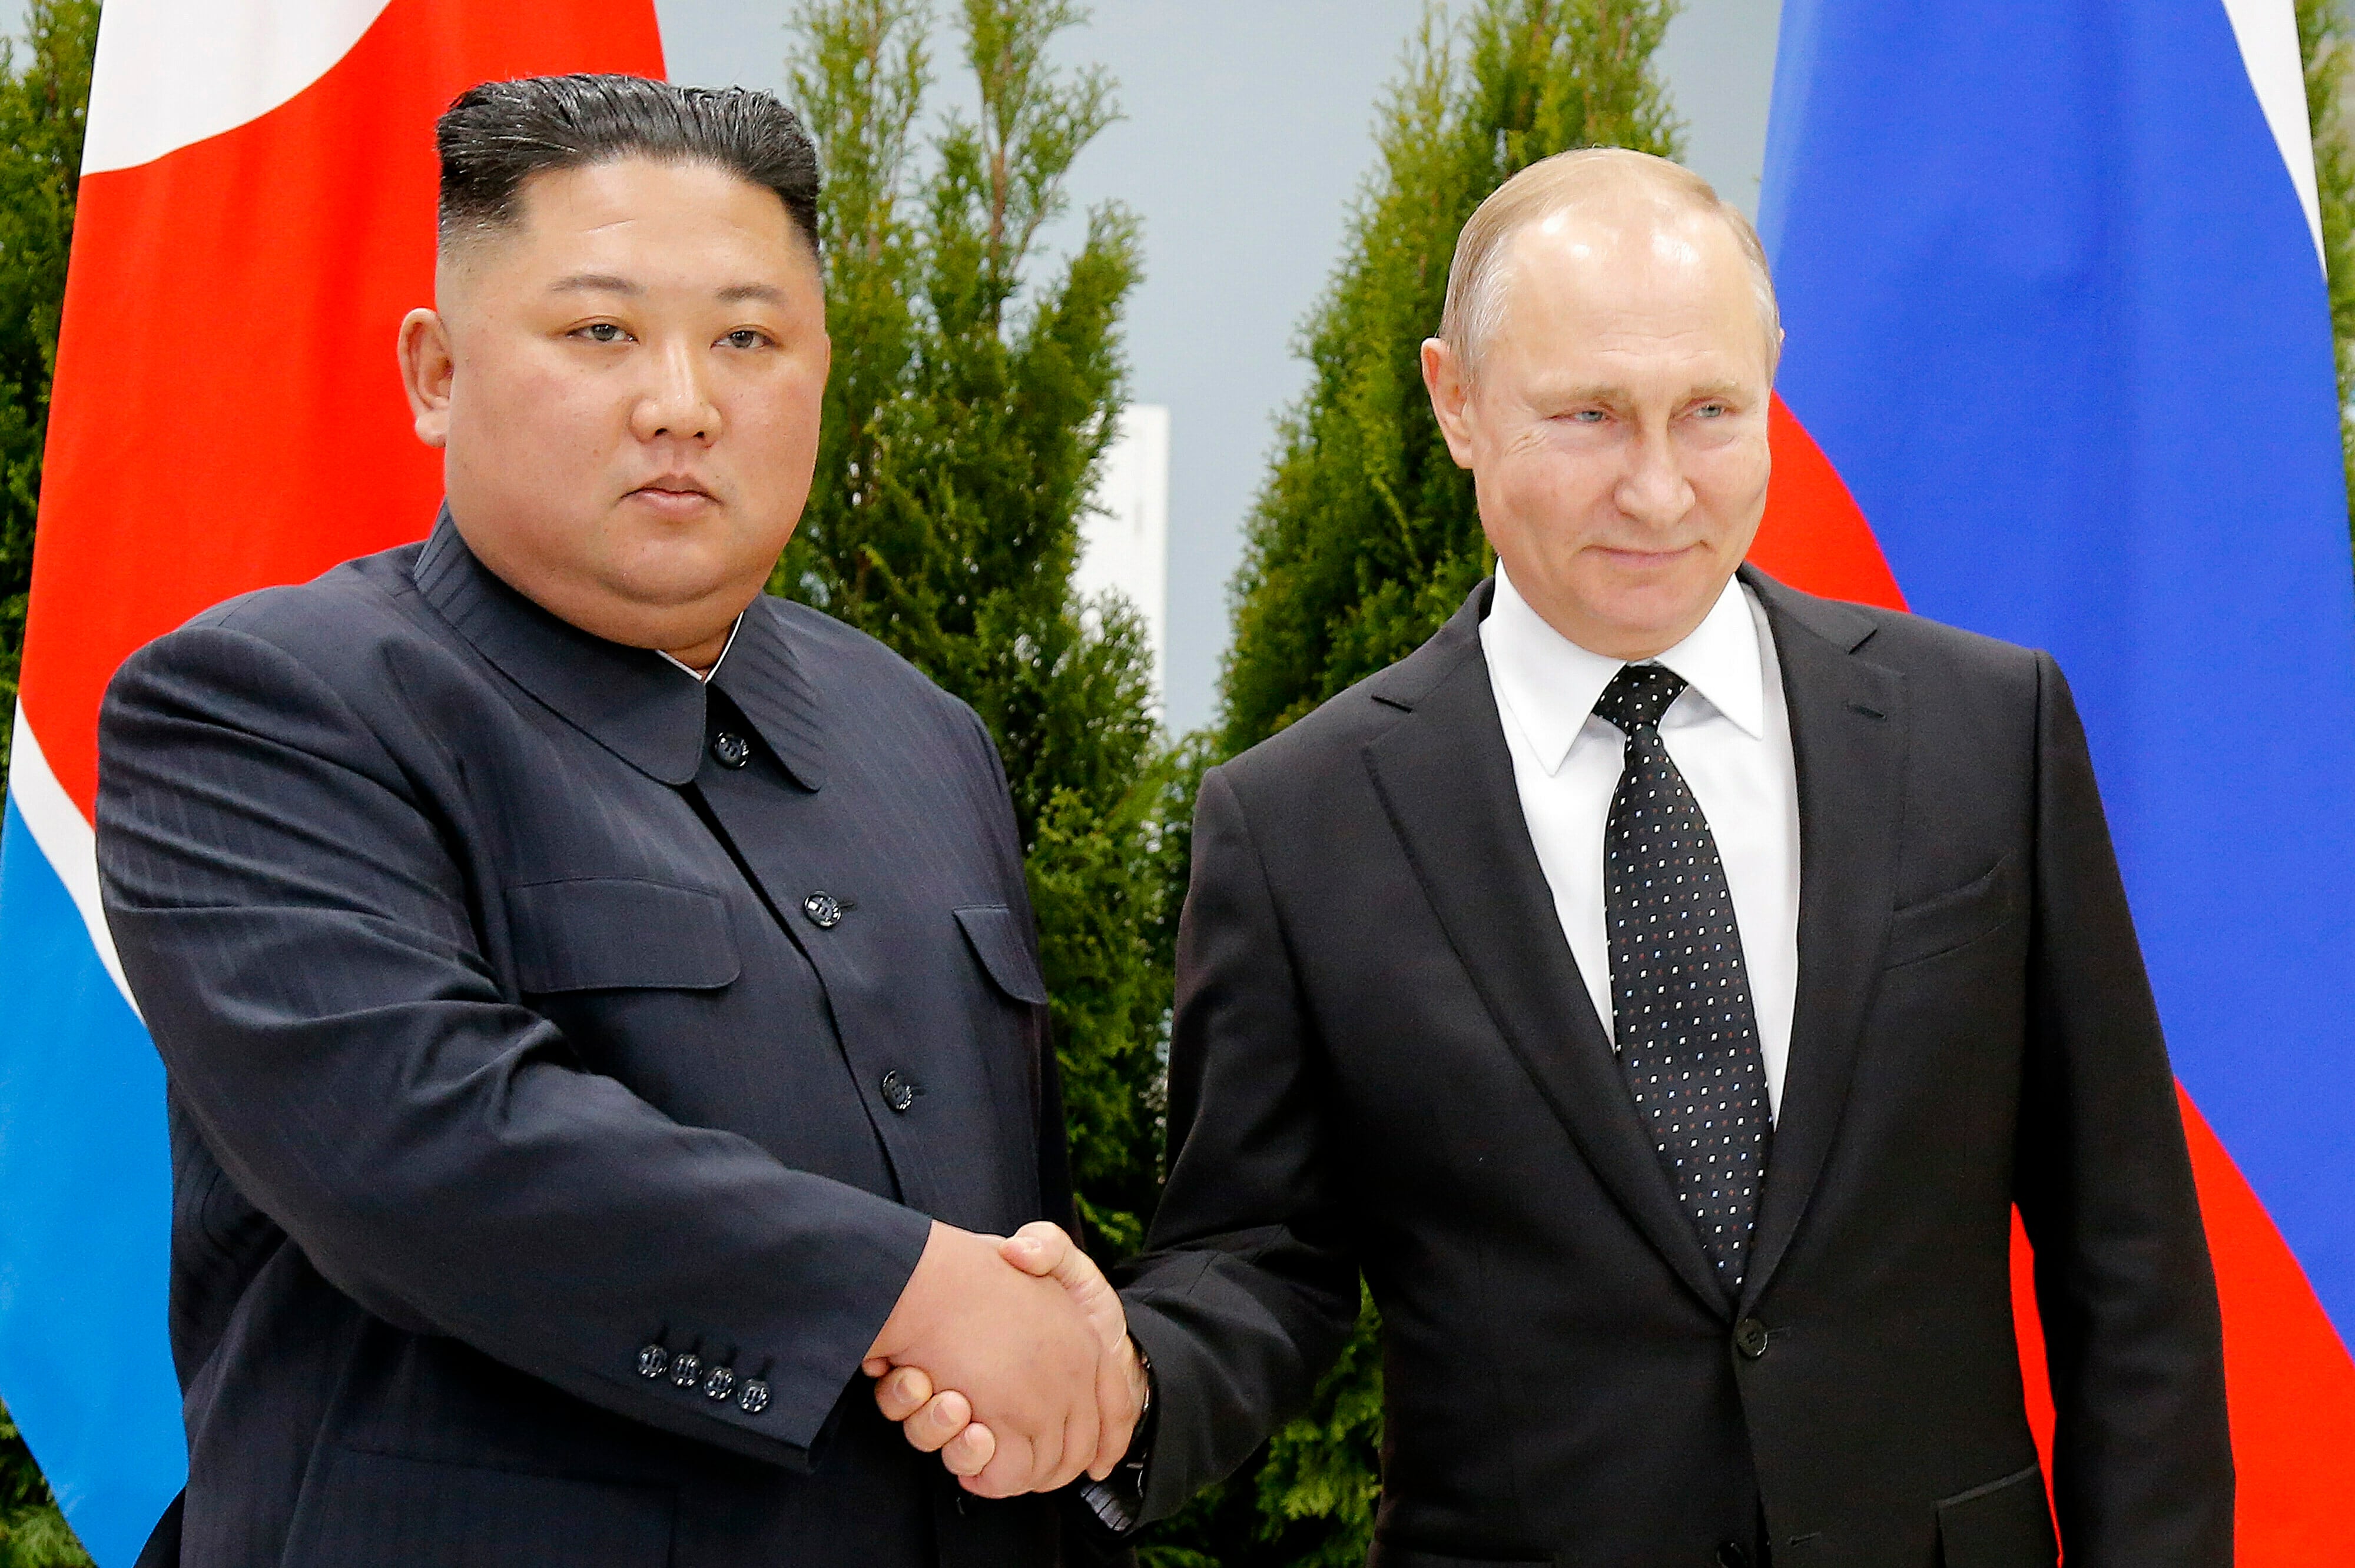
(625, 384)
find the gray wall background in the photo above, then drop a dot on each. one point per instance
(1248, 131)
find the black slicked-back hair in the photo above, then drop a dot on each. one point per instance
(496, 136)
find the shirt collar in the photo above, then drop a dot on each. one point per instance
(1551, 683)
(645, 708)
(704, 677)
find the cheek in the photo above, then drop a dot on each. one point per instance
(777, 423)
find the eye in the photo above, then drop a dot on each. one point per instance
(746, 337)
(1586, 416)
(1712, 410)
(601, 331)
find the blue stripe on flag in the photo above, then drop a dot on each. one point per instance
(2056, 315)
(85, 1359)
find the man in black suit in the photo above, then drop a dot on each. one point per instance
(600, 1005)
(1659, 988)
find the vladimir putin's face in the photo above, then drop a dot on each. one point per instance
(1616, 425)
(625, 383)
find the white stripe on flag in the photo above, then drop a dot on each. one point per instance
(171, 72)
(2267, 31)
(65, 840)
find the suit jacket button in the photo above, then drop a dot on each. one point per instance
(719, 1383)
(729, 749)
(824, 909)
(653, 1361)
(1750, 1337)
(1731, 1555)
(685, 1368)
(899, 1090)
(755, 1398)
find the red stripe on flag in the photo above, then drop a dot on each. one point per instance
(2290, 1379)
(227, 412)
(1814, 537)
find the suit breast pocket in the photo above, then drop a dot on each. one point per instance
(614, 933)
(1946, 922)
(996, 935)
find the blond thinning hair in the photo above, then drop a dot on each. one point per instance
(1476, 278)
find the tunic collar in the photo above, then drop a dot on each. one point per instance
(647, 710)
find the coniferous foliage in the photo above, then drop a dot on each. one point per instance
(2324, 42)
(1365, 538)
(970, 402)
(44, 95)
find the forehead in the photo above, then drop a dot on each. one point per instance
(1626, 276)
(676, 214)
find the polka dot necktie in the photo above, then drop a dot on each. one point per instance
(1681, 1007)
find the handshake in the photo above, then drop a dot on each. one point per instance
(1010, 1358)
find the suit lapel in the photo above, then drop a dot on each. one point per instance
(1849, 732)
(1446, 778)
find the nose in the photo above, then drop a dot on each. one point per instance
(1654, 491)
(678, 404)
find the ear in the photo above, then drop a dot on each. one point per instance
(1451, 396)
(427, 369)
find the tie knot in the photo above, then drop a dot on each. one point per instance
(1637, 697)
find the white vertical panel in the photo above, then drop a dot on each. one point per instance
(1125, 538)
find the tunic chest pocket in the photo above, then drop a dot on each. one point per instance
(617, 933)
(998, 941)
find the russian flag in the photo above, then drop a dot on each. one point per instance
(2060, 370)
(256, 214)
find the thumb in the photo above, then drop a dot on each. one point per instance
(1042, 1248)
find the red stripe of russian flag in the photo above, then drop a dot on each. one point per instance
(2291, 1381)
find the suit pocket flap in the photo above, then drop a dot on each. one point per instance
(613, 933)
(1955, 918)
(997, 935)
(2004, 1524)
(361, 1509)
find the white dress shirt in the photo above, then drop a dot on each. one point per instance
(1728, 733)
(705, 675)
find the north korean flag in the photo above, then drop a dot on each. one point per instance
(256, 216)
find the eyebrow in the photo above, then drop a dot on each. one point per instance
(1609, 393)
(610, 283)
(594, 283)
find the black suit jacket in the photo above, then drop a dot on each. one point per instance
(555, 1110)
(1385, 1061)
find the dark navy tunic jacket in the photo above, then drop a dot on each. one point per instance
(564, 1056)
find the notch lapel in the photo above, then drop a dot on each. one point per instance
(1849, 737)
(1445, 778)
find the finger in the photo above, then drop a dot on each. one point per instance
(1118, 1416)
(1011, 1471)
(875, 1366)
(902, 1393)
(1083, 1428)
(943, 1417)
(969, 1452)
(1038, 1248)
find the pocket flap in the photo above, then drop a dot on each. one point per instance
(2003, 1524)
(1001, 944)
(1955, 918)
(614, 933)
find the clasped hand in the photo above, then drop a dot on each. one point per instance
(1010, 1358)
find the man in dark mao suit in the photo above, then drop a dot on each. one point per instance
(1659, 988)
(599, 1001)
